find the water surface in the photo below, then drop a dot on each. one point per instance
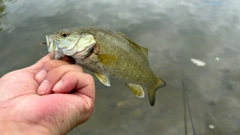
(174, 32)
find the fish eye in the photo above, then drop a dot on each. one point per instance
(64, 34)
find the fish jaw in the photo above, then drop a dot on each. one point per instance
(75, 45)
(55, 53)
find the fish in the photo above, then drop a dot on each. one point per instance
(108, 54)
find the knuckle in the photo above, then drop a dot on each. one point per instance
(50, 65)
(53, 64)
(89, 77)
(77, 67)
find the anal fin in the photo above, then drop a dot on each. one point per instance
(103, 79)
(137, 90)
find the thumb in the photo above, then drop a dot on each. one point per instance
(38, 65)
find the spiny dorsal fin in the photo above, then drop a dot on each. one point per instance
(143, 49)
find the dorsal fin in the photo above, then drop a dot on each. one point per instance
(143, 49)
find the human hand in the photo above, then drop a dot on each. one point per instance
(49, 97)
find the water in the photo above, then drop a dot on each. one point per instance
(174, 32)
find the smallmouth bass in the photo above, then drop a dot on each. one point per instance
(108, 54)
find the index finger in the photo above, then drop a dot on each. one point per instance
(39, 64)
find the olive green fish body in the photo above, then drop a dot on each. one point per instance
(110, 55)
(117, 60)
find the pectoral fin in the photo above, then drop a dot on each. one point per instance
(104, 79)
(137, 90)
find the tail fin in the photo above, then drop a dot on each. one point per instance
(151, 92)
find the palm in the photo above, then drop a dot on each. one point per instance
(24, 104)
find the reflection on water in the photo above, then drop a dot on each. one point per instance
(174, 32)
(2, 13)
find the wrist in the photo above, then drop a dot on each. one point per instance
(17, 128)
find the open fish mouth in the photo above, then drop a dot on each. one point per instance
(58, 56)
(48, 40)
(68, 59)
(55, 53)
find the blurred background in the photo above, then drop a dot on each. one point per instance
(194, 41)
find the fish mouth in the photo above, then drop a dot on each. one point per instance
(68, 59)
(55, 53)
(57, 56)
(82, 48)
(48, 39)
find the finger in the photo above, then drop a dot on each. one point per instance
(85, 86)
(74, 80)
(49, 65)
(54, 75)
(81, 83)
(40, 63)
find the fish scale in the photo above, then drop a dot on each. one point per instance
(124, 48)
(108, 54)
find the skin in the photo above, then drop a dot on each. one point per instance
(40, 99)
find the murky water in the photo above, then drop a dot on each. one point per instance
(174, 31)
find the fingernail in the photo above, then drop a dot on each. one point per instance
(43, 87)
(40, 75)
(57, 85)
